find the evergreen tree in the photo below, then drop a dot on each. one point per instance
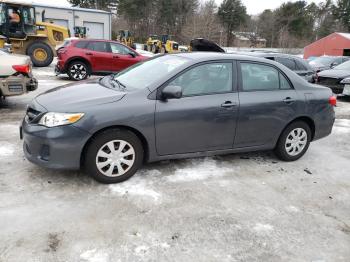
(232, 14)
(342, 13)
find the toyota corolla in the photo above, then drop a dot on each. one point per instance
(176, 106)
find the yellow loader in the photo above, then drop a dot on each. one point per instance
(18, 27)
(125, 37)
(163, 45)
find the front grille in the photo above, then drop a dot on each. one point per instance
(332, 83)
(327, 81)
(32, 114)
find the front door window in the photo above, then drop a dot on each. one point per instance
(206, 79)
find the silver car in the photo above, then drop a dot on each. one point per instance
(16, 75)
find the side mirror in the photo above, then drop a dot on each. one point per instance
(170, 92)
(132, 54)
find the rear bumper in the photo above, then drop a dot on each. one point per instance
(324, 123)
(17, 85)
(56, 148)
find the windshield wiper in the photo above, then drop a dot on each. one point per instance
(114, 81)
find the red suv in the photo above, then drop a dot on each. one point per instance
(80, 58)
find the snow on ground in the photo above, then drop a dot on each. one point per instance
(139, 187)
(292, 209)
(263, 228)
(10, 128)
(94, 255)
(6, 149)
(342, 126)
(200, 169)
(40, 73)
(227, 208)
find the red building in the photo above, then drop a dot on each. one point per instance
(336, 44)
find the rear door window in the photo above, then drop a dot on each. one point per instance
(284, 83)
(260, 77)
(98, 46)
(286, 62)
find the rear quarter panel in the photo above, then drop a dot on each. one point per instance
(317, 107)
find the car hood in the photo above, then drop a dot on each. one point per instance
(333, 73)
(69, 98)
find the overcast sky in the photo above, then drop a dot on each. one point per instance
(253, 6)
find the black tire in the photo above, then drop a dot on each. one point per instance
(99, 143)
(163, 50)
(281, 147)
(78, 70)
(33, 48)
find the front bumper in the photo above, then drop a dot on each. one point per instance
(60, 68)
(58, 147)
(17, 85)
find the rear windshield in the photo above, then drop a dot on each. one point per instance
(324, 60)
(66, 43)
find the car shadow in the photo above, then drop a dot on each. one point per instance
(165, 168)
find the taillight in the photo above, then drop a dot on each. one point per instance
(332, 101)
(25, 69)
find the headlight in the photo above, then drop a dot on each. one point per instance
(345, 81)
(59, 119)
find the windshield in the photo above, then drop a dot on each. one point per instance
(323, 60)
(343, 66)
(148, 72)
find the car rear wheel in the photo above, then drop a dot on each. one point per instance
(114, 156)
(78, 71)
(294, 141)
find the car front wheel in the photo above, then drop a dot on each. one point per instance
(114, 156)
(294, 141)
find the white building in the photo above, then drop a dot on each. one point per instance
(97, 22)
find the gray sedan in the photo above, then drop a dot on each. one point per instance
(176, 106)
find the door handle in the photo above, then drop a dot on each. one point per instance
(228, 104)
(115, 56)
(288, 100)
(88, 53)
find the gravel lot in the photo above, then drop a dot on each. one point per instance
(243, 207)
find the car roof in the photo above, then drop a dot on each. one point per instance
(271, 54)
(204, 56)
(331, 56)
(97, 40)
(94, 40)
